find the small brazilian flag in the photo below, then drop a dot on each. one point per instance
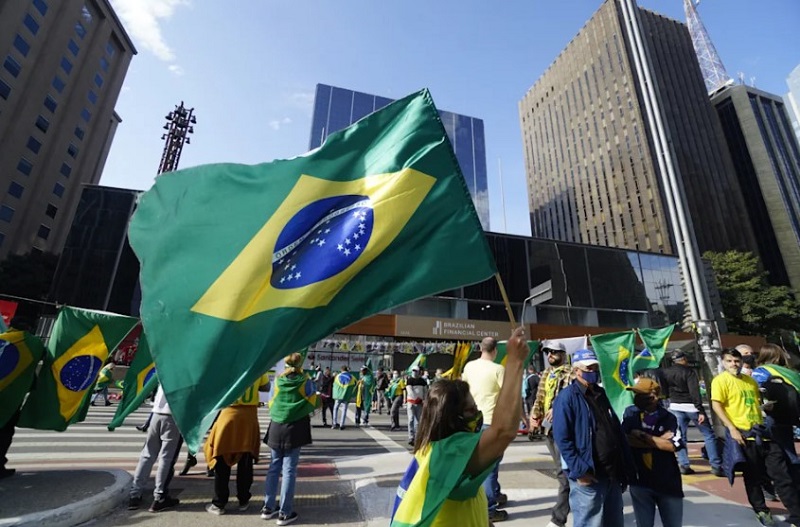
(421, 361)
(656, 341)
(614, 352)
(140, 381)
(79, 345)
(502, 353)
(435, 475)
(20, 352)
(242, 265)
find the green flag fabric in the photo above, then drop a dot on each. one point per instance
(421, 361)
(20, 353)
(614, 351)
(787, 374)
(533, 346)
(655, 341)
(295, 397)
(140, 381)
(299, 248)
(80, 343)
(344, 386)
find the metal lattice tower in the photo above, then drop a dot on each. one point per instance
(714, 72)
(178, 127)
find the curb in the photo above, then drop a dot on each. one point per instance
(80, 511)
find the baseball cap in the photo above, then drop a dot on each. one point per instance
(645, 386)
(584, 358)
(554, 345)
(678, 354)
(415, 368)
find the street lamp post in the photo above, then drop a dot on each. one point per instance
(178, 127)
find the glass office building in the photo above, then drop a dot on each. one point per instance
(337, 108)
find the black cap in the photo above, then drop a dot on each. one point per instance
(678, 354)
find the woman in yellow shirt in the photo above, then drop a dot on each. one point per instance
(452, 456)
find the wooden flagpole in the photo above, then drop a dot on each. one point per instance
(510, 312)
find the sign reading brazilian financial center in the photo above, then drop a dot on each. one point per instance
(450, 328)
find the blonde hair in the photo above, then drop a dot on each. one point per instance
(294, 362)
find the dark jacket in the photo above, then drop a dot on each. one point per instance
(683, 386)
(574, 426)
(288, 436)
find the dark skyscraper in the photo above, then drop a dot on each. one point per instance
(63, 67)
(337, 108)
(591, 166)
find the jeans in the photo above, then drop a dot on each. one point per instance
(104, 392)
(222, 478)
(283, 464)
(491, 485)
(397, 403)
(596, 505)
(645, 500)
(163, 443)
(769, 457)
(414, 413)
(363, 412)
(340, 405)
(714, 457)
(561, 508)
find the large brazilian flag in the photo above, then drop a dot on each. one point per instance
(656, 341)
(242, 265)
(614, 352)
(20, 352)
(140, 381)
(80, 343)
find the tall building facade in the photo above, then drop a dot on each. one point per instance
(766, 158)
(792, 99)
(591, 169)
(63, 66)
(337, 108)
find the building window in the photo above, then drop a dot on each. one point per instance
(6, 213)
(5, 90)
(110, 49)
(79, 132)
(31, 24)
(86, 115)
(58, 190)
(73, 47)
(21, 46)
(44, 232)
(80, 30)
(66, 170)
(42, 124)
(51, 210)
(50, 103)
(40, 6)
(66, 65)
(34, 145)
(98, 80)
(15, 189)
(72, 150)
(25, 166)
(58, 84)
(12, 66)
(92, 97)
(104, 63)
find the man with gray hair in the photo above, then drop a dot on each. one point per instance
(485, 378)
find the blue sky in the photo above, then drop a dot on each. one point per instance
(249, 68)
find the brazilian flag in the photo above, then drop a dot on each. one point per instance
(295, 397)
(656, 341)
(140, 381)
(502, 353)
(421, 361)
(614, 352)
(20, 352)
(80, 343)
(435, 475)
(365, 389)
(460, 356)
(242, 265)
(344, 386)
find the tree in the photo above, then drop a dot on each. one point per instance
(28, 275)
(752, 306)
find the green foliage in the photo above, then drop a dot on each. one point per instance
(750, 304)
(28, 275)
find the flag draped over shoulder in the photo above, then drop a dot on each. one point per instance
(241, 265)
(295, 397)
(656, 341)
(421, 361)
(460, 356)
(344, 386)
(140, 381)
(365, 389)
(435, 473)
(80, 343)
(20, 352)
(614, 351)
(787, 374)
(502, 353)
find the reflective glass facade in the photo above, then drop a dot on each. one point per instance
(337, 108)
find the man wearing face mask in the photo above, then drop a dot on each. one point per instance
(555, 378)
(654, 437)
(593, 448)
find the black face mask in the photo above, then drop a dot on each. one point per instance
(643, 402)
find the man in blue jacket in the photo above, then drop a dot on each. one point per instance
(593, 448)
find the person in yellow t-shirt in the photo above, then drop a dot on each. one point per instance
(736, 400)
